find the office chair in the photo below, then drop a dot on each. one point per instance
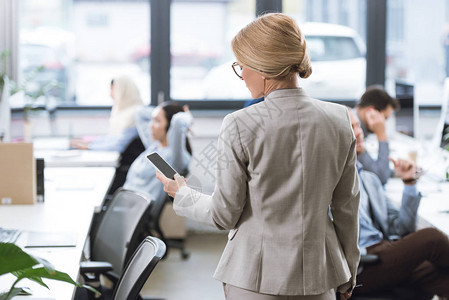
(131, 152)
(127, 157)
(139, 268)
(153, 226)
(134, 275)
(118, 236)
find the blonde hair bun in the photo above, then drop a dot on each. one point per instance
(274, 46)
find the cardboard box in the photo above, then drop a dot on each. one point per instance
(17, 174)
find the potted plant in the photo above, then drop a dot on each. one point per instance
(34, 96)
(13, 260)
(3, 57)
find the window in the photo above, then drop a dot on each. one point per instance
(335, 45)
(328, 48)
(77, 47)
(417, 49)
(201, 34)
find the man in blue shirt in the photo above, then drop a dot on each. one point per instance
(373, 109)
(417, 260)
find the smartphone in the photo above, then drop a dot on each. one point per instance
(161, 165)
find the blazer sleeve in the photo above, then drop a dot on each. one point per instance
(403, 221)
(344, 208)
(224, 208)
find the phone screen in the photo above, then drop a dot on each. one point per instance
(160, 164)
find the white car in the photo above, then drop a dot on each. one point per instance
(338, 67)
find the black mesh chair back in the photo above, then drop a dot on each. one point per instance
(155, 229)
(139, 268)
(127, 157)
(131, 152)
(119, 232)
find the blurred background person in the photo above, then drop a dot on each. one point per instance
(163, 129)
(122, 124)
(373, 109)
(415, 260)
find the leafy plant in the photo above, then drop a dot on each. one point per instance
(31, 94)
(22, 265)
(3, 57)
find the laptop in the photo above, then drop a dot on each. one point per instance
(37, 239)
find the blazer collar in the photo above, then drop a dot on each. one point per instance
(284, 93)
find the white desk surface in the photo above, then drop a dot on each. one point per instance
(78, 158)
(70, 197)
(56, 153)
(434, 207)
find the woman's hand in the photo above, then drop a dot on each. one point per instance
(171, 187)
(79, 144)
(345, 296)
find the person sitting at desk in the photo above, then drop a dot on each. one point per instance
(122, 124)
(418, 260)
(374, 108)
(163, 129)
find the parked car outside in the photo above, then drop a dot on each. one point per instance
(53, 69)
(338, 63)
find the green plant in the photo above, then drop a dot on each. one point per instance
(3, 57)
(22, 265)
(31, 95)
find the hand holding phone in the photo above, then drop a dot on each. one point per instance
(162, 165)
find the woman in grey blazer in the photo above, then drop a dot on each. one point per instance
(287, 185)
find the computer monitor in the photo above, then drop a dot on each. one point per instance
(438, 139)
(445, 142)
(406, 117)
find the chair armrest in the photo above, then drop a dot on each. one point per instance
(394, 237)
(95, 267)
(91, 270)
(369, 259)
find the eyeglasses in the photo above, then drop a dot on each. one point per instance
(237, 69)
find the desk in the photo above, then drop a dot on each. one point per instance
(56, 153)
(78, 158)
(71, 195)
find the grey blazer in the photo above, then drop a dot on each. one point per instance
(282, 164)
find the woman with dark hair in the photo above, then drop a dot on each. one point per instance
(163, 129)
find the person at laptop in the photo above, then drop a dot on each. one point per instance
(418, 260)
(122, 124)
(163, 129)
(373, 109)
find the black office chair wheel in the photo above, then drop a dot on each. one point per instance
(185, 254)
